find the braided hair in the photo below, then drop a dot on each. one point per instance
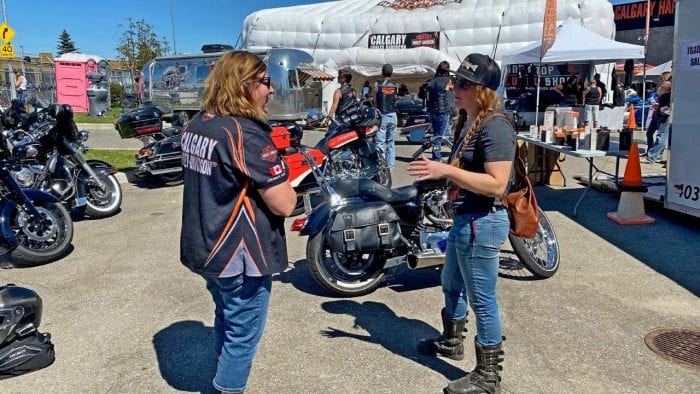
(488, 101)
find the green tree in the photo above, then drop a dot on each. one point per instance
(138, 44)
(65, 43)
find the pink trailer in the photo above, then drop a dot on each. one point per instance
(72, 81)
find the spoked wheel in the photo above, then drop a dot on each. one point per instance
(383, 175)
(343, 275)
(102, 201)
(44, 239)
(539, 255)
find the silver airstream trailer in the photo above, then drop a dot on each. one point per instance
(177, 82)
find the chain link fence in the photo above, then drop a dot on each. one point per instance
(41, 85)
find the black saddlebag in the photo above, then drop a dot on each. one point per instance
(367, 228)
(26, 354)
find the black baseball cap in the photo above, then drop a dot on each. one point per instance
(480, 69)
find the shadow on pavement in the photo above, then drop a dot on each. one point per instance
(669, 247)
(299, 276)
(397, 334)
(186, 356)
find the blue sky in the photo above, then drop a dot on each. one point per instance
(93, 25)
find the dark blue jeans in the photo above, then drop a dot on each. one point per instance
(471, 270)
(440, 124)
(239, 320)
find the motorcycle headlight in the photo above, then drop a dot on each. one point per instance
(83, 136)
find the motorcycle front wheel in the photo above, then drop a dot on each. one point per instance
(540, 254)
(102, 203)
(341, 275)
(40, 243)
(172, 179)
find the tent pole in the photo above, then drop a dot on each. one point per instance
(537, 101)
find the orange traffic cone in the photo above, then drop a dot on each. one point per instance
(631, 120)
(630, 209)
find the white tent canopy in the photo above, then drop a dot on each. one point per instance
(575, 44)
(660, 69)
(369, 62)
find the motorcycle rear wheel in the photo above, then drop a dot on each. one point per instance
(335, 274)
(102, 203)
(37, 244)
(540, 254)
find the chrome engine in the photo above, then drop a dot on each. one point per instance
(437, 208)
(346, 165)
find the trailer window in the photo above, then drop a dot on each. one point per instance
(202, 73)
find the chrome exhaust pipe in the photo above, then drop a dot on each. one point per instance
(425, 260)
(164, 171)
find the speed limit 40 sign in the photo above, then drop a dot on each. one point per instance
(7, 51)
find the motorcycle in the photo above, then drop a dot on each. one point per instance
(347, 151)
(35, 228)
(160, 156)
(363, 229)
(47, 150)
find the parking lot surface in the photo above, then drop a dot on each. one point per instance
(127, 317)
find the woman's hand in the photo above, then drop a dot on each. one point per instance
(425, 169)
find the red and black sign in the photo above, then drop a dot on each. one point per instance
(404, 40)
(522, 78)
(632, 16)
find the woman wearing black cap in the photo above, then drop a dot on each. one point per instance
(479, 171)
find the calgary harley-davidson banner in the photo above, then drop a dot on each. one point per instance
(404, 40)
(632, 15)
(413, 4)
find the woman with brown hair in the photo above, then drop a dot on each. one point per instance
(478, 173)
(235, 198)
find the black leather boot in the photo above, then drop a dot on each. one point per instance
(485, 378)
(450, 343)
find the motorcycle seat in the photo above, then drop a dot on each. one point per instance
(171, 131)
(371, 190)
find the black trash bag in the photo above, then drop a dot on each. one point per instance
(26, 354)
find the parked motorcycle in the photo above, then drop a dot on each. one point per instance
(347, 151)
(363, 229)
(47, 151)
(160, 156)
(35, 228)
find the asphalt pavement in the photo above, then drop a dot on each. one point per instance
(127, 317)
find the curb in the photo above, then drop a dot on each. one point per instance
(121, 177)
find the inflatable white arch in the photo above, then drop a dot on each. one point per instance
(356, 34)
(456, 27)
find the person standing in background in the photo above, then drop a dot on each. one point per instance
(591, 100)
(440, 103)
(344, 95)
(20, 85)
(386, 93)
(601, 86)
(235, 198)
(656, 151)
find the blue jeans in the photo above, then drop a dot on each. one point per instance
(385, 138)
(657, 150)
(471, 270)
(239, 320)
(441, 123)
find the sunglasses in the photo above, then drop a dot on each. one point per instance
(265, 81)
(461, 83)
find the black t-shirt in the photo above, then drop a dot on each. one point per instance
(227, 229)
(497, 143)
